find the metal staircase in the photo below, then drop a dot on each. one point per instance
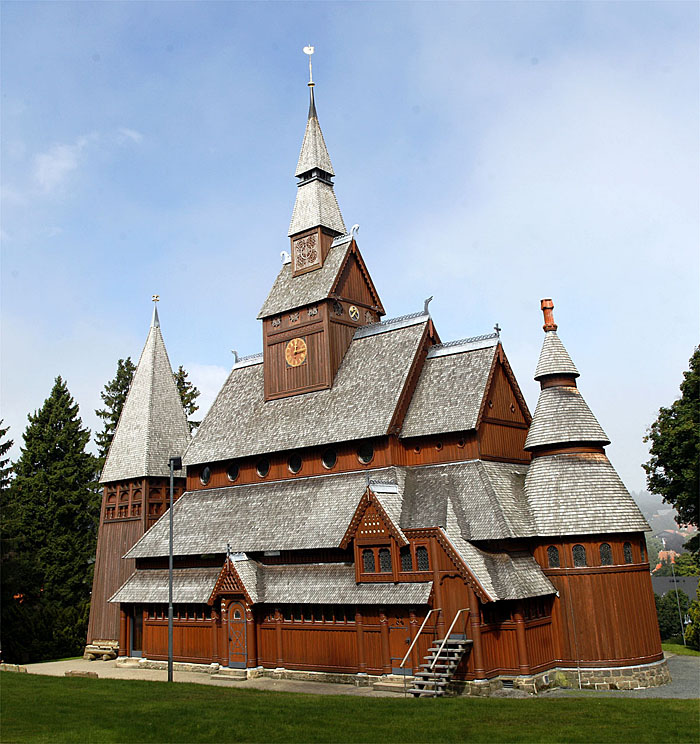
(441, 663)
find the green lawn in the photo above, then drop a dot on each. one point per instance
(680, 649)
(55, 709)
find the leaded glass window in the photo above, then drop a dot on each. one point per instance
(605, 554)
(406, 561)
(553, 556)
(385, 560)
(579, 556)
(422, 558)
(368, 561)
(627, 548)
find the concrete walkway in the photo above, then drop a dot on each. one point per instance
(685, 672)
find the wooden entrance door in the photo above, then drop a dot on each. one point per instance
(237, 655)
(399, 642)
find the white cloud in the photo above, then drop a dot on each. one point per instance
(52, 168)
(125, 135)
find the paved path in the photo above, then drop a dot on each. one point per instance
(685, 671)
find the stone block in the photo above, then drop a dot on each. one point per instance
(81, 673)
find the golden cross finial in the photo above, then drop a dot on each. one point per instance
(309, 50)
(156, 298)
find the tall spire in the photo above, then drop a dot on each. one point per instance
(315, 205)
(153, 426)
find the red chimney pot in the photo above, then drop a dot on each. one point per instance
(548, 308)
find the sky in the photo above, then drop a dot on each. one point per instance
(492, 153)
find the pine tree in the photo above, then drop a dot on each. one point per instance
(49, 528)
(5, 467)
(113, 395)
(188, 395)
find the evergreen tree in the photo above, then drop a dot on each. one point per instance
(188, 395)
(673, 470)
(49, 527)
(667, 613)
(113, 395)
(5, 467)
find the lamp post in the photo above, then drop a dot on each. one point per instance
(175, 464)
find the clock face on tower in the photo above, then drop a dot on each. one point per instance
(295, 352)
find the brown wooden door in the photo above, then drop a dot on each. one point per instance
(237, 655)
(399, 642)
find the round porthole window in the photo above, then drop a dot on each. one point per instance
(233, 472)
(263, 467)
(294, 463)
(205, 475)
(438, 446)
(329, 459)
(460, 443)
(365, 453)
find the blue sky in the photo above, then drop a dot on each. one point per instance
(492, 153)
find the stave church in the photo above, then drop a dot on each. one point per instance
(367, 503)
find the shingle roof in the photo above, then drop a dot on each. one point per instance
(562, 416)
(450, 389)
(190, 585)
(485, 499)
(579, 494)
(289, 292)
(503, 575)
(315, 205)
(360, 404)
(329, 583)
(293, 514)
(314, 153)
(554, 359)
(152, 427)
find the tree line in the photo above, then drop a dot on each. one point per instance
(49, 508)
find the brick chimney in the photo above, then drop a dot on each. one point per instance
(548, 310)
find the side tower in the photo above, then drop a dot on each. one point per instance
(590, 534)
(135, 479)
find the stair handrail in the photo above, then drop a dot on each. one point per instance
(413, 643)
(444, 640)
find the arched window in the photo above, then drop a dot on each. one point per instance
(368, 561)
(406, 562)
(605, 554)
(553, 557)
(642, 548)
(422, 558)
(385, 560)
(579, 553)
(627, 548)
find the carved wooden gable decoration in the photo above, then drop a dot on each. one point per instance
(228, 582)
(371, 524)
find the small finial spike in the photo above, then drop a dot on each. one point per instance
(498, 330)
(155, 321)
(309, 50)
(548, 309)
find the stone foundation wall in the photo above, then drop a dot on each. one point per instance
(609, 678)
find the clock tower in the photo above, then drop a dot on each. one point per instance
(323, 292)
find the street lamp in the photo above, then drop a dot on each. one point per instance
(175, 464)
(678, 599)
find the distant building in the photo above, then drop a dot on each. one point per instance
(361, 484)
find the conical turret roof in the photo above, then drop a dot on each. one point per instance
(152, 427)
(554, 359)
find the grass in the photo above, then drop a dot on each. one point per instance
(680, 649)
(55, 709)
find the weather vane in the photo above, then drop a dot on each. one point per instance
(155, 298)
(309, 50)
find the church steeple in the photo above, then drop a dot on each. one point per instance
(316, 208)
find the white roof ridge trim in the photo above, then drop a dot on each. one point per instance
(249, 360)
(341, 239)
(464, 344)
(393, 324)
(380, 488)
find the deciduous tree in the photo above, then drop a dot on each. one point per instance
(673, 470)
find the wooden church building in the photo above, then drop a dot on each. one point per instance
(363, 498)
